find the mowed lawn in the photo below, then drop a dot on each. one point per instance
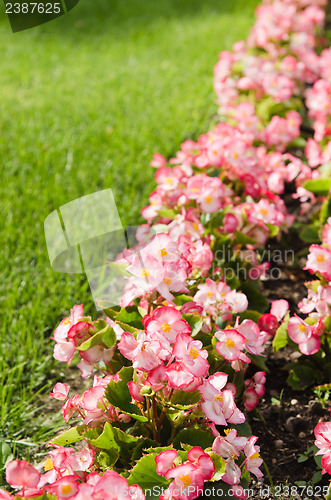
(85, 102)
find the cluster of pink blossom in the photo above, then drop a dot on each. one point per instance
(67, 469)
(311, 332)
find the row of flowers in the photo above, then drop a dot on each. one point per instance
(179, 362)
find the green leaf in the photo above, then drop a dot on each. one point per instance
(113, 438)
(317, 477)
(301, 377)
(243, 429)
(119, 395)
(256, 299)
(274, 230)
(144, 444)
(70, 436)
(194, 437)
(320, 187)
(281, 338)
(106, 336)
(167, 212)
(182, 299)
(253, 315)
(107, 459)
(194, 321)
(144, 474)
(310, 234)
(112, 313)
(243, 239)
(259, 362)
(325, 211)
(219, 464)
(130, 316)
(302, 458)
(184, 400)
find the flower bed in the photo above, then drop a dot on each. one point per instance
(181, 362)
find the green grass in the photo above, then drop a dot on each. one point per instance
(85, 102)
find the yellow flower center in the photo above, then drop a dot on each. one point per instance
(235, 155)
(163, 252)
(230, 343)
(66, 321)
(255, 455)
(320, 257)
(166, 327)
(48, 465)
(168, 180)
(209, 294)
(302, 327)
(226, 431)
(209, 199)
(194, 353)
(145, 273)
(186, 480)
(66, 489)
(167, 281)
(219, 397)
(263, 211)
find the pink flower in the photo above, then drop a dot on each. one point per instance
(158, 161)
(253, 460)
(303, 334)
(218, 405)
(231, 345)
(268, 323)
(21, 474)
(60, 391)
(319, 261)
(168, 321)
(165, 461)
(323, 442)
(76, 313)
(279, 308)
(114, 486)
(189, 352)
(188, 481)
(144, 352)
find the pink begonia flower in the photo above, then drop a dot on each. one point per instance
(230, 223)
(231, 345)
(237, 300)
(80, 332)
(268, 323)
(178, 377)
(251, 399)
(165, 461)
(168, 321)
(303, 334)
(146, 272)
(65, 487)
(323, 442)
(4, 495)
(158, 161)
(21, 474)
(157, 378)
(76, 313)
(253, 460)
(219, 405)
(188, 481)
(326, 235)
(60, 391)
(113, 486)
(162, 247)
(191, 308)
(202, 461)
(166, 177)
(64, 351)
(134, 389)
(143, 352)
(319, 261)
(255, 340)
(279, 308)
(189, 352)
(70, 407)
